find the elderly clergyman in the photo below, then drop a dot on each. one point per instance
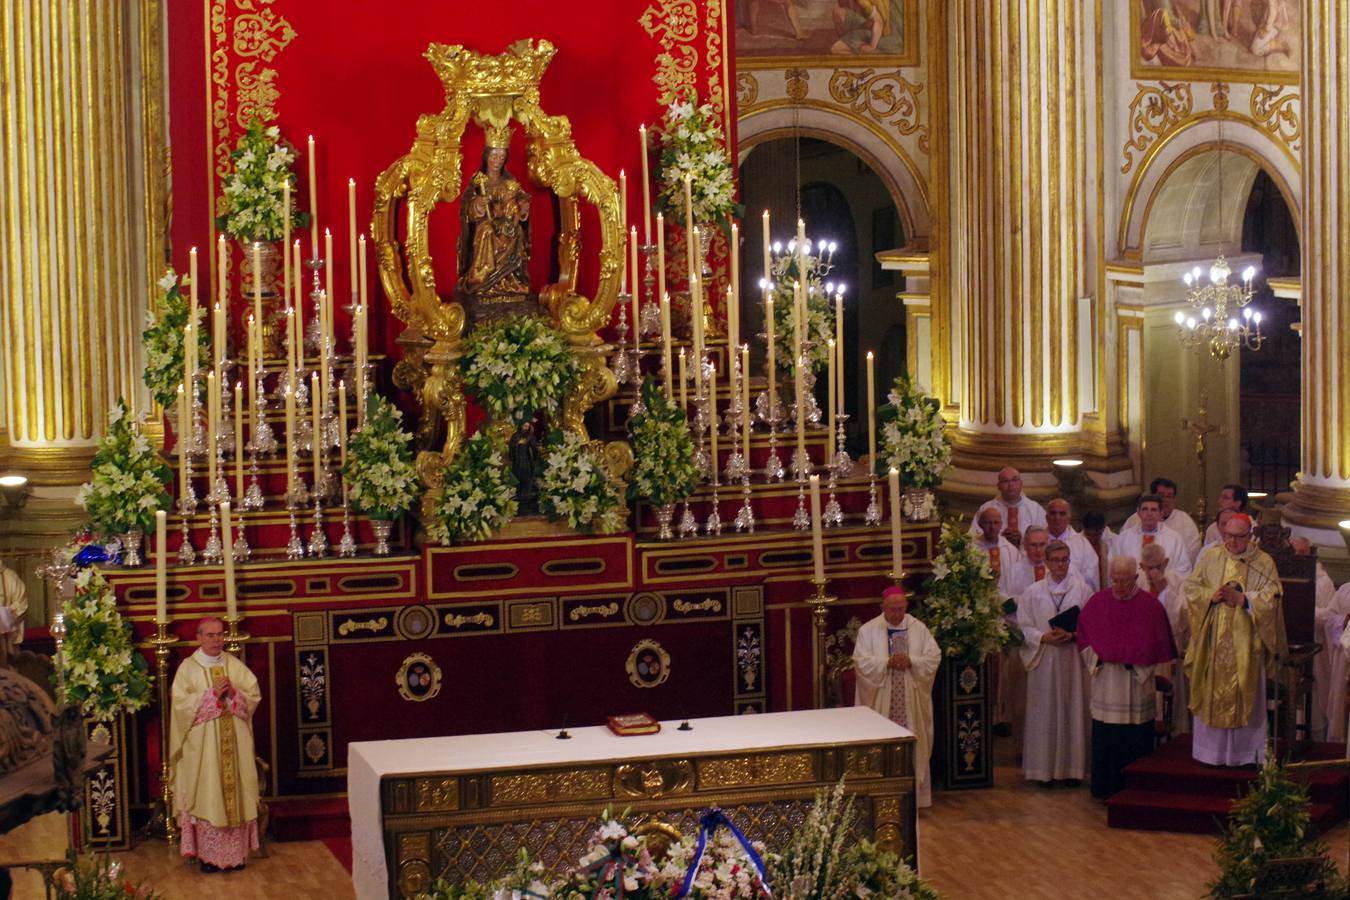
(1237, 638)
(896, 660)
(1124, 638)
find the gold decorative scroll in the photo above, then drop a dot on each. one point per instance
(1153, 111)
(1277, 112)
(493, 91)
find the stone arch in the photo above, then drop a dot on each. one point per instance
(897, 170)
(1179, 148)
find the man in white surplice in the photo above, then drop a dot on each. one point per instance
(896, 659)
(1158, 578)
(1054, 747)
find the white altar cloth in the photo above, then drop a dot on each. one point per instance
(370, 761)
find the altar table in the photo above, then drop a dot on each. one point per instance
(459, 807)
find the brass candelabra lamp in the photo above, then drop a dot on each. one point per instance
(162, 822)
(820, 610)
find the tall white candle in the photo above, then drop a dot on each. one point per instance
(684, 377)
(190, 351)
(646, 186)
(660, 255)
(897, 554)
(745, 403)
(239, 439)
(817, 538)
(734, 288)
(871, 413)
(712, 406)
(212, 422)
(161, 566)
(231, 603)
(316, 445)
(351, 234)
(184, 434)
(257, 281)
(291, 447)
(635, 300)
(800, 378)
(251, 376)
(773, 354)
(313, 203)
(623, 202)
(665, 340)
(362, 338)
(839, 349)
(829, 392)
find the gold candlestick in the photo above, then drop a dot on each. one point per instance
(234, 638)
(162, 821)
(820, 610)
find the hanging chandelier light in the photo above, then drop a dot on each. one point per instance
(1225, 322)
(1222, 320)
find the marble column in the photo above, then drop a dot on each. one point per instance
(81, 211)
(1022, 259)
(1322, 489)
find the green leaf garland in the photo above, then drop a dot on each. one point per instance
(663, 451)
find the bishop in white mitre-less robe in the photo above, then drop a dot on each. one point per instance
(1054, 747)
(902, 694)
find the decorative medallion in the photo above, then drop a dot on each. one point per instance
(419, 678)
(648, 664)
(416, 622)
(969, 679)
(645, 608)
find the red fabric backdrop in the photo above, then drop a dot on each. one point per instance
(351, 73)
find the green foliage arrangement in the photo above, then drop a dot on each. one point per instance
(380, 473)
(692, 143)
(575, 486)
(518, 366)
(163, 339)
(252, 201)
(663, 451)
(819, 328)
(913, 438)
(824, 862)
(104, 675)
(1272, 822)
(129, 479)
(477, 494)
(961, 605)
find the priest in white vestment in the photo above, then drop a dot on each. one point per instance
(1237, 637)
(1173, 518)
(13, 608)
(1232, 498)
(1010, 700)
(1000, 552)
(1125, 639)
(1132, 541)
(215, 778)
(896, 660)
(1081, 554)
(1324, 594)
(1335, 637)
(1054, 745)
(1160, 580)
(1019, 511)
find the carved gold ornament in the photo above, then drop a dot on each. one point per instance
(648, 664)
(419, 678)
(494, 92)
(1277, 113)
(887, 97)
(1153, 111)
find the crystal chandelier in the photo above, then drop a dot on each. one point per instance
(1220, 326)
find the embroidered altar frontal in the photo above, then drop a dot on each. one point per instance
(495, 793)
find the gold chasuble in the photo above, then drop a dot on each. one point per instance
(1228, 644)
(211, 744)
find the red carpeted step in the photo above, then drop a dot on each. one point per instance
(1189, 813)
(310, 820)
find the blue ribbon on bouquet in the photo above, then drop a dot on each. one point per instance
(710, 821)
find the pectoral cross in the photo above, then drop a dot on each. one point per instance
(1201, 428)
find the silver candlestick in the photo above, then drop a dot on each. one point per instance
(745, 516)
(801, 520)
(834, 513)
(214, 551)
(318, 540)
(873, 514)
(842, 463)
(649, 324)
(241, 547)
(347, 544)
(688, 526)
(713, 526)
(295, 548)
(312, 329)
(620, 363)
(186, 554)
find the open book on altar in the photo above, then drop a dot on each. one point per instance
(633, 723)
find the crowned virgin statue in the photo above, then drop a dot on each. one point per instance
(494, 237)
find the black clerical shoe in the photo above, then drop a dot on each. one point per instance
(209, 868)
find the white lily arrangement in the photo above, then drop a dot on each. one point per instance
(575, 486)
(129, 478)
(477, 495)
(913, 436)
(692, 143)
(961, 605)
(163, 340)
(251, 208)
(381, 477)
(518, 366)
(102, 672)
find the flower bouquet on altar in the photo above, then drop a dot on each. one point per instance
(128, 484)
(576, 488)
(716, 864)
(820, 329)
(380, 474)
(163, 341)
(692, 144)
(663, 470)
(913, 436)
(477, 494)
(518, 366)
(961, 604)
(102, 672)
(252, 202)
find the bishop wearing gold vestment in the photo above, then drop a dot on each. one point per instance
(1237, 637)
(215, 781)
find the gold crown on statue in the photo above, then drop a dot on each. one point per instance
(498, 135)
(517, 71)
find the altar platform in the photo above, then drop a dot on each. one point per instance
(458, 807)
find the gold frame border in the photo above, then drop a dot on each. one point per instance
(909, 58)
(1194, 73)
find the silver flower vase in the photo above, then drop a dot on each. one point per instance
(382, 529)
(131, 547)
(664, 514)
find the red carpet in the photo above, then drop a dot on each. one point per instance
(340, 847)
(1169, 791)
(311, 820)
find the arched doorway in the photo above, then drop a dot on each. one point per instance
(842, 199)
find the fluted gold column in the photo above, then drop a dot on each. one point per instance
(75, 212)
(1322, 491)
(1019, 73)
